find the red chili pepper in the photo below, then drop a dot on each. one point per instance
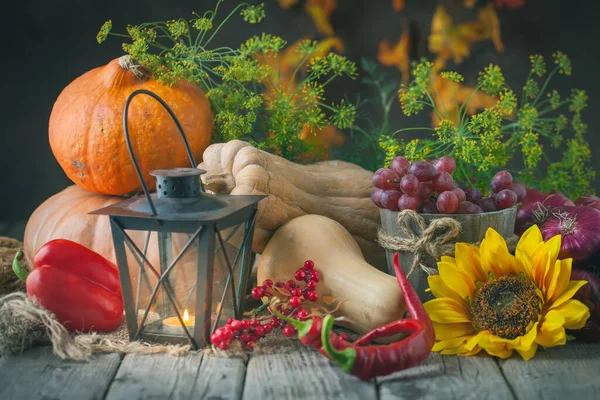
(75, 283)
(366, 361)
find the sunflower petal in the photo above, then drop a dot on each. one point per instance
(553, 320)
(467, 256)
(575, 313)
(563, 278)
(452, 331)
(482, 339)
(498, 350)
(467, 353)
(569, 292)
(529, 241)
(495, 256)
(440, 290)
(528, 352)
(528, 339)
(550, 280)
(551, 338)
(449, 344)
(457, 279)
(553, 248)
(526, 265)
(446, 311)
(540, 264)
(448, 259)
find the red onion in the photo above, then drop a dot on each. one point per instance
(589, 294)
(533, 196)
(529, 214)
(580, 230)
(537, 207)
(557, 199)
(586, 199)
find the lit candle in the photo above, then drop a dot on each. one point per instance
(174, 321)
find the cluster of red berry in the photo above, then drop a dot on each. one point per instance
(291, 297)
(247, 331)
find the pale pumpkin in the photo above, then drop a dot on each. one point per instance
(371, 298)
(86, 127)
(335, 189)
(66, 216)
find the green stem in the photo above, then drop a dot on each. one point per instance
(523, 92)
(224, 21)
(345, 358)
(18, 268)
(412, 129)
(550, 109)
(465, 106)
(543, 89)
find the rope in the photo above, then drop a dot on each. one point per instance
(24, 322)
(435, 240)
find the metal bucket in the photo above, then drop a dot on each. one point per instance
(473, 228)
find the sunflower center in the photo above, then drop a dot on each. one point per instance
(505, 306)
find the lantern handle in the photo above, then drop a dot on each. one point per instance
(130, 148)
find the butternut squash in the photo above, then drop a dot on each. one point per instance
(371, 297)
(335, 189)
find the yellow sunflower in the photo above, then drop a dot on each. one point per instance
(488, 299)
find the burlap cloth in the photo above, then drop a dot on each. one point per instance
(24, 324)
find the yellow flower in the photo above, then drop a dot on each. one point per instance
(488, 299)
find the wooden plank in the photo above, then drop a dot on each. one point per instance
(220, 378)
(569, 371)
(447, 377)
(37, 374)
(302, 374)
(17, 230)
(156, 376)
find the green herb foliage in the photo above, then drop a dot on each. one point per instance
(513, 130)
(249, 100)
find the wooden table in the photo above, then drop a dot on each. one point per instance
(567, 372)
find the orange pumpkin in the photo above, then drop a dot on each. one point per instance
(86, 127)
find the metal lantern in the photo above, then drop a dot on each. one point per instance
(201, 278)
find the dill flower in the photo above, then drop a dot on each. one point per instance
(253, 14)
(563, 61)
(453, 76)
(104, 31)
(491, 79)
(538, 65)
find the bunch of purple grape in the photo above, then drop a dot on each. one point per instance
(428, 187)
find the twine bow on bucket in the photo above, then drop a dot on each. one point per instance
(421, 239)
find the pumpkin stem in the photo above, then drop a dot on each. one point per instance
(127, 63)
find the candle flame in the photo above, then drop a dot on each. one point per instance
(186, 316)
(218, 307)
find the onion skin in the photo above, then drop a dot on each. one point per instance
(526, 217)
(537, 207)
(557, 199)
(588, 294)
(594, 204)
(586, 200)
(580, 230)
(533, 196)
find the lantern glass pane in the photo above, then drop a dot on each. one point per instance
(223, 285)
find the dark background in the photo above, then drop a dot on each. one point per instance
(47, 44)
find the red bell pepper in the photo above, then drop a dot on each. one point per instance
(75, 283)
